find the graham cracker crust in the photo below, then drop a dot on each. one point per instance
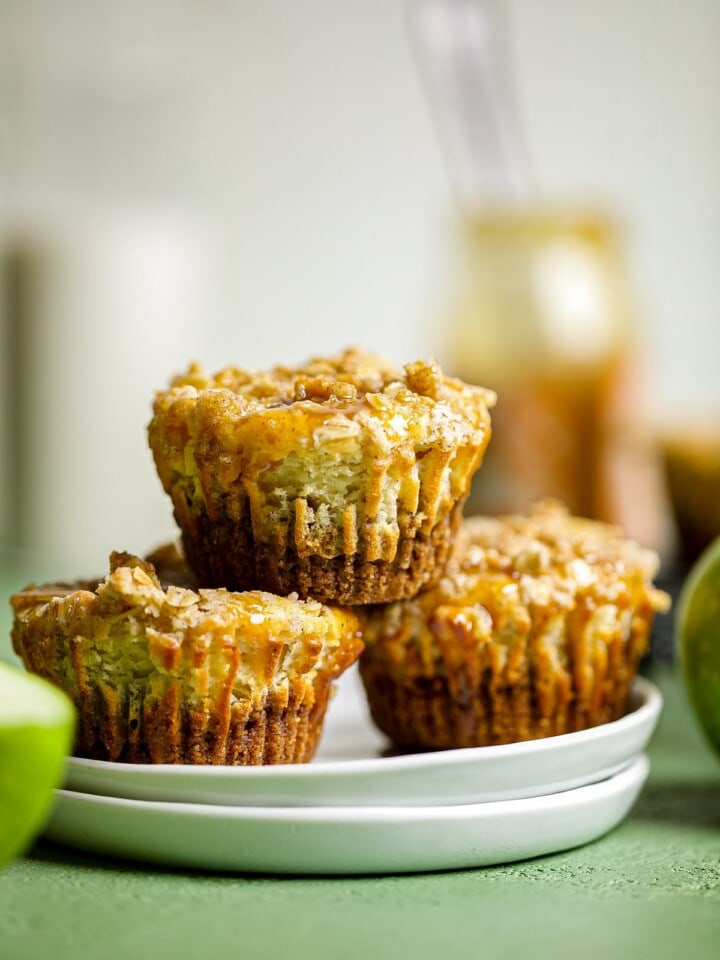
(424, 713)
(284, 730)
(222, 552)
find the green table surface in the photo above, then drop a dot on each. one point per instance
(649, 889)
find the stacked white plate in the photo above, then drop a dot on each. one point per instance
(359, 808)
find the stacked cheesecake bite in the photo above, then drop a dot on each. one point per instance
(341, 480)
(320, 507)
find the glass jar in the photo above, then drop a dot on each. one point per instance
(540, 310)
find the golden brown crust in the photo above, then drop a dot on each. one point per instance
(173, 675)
(343, 458)
(537, 629)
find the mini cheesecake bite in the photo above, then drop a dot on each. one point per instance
(342, 479)
(536, 629)
(162, 673)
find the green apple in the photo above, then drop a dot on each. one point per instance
(36, 726)
(698, 639)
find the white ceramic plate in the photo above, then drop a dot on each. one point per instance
(344, 840)
(350, 768)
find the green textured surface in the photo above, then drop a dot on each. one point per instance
(649, 889)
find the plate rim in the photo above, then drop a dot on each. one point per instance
(636, 768)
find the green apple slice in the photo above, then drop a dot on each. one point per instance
(698, 640)
(36, 726)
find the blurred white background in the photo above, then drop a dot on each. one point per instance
(287, 154)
